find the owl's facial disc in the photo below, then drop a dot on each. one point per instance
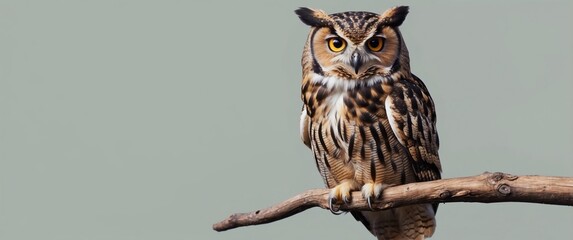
(356, 56)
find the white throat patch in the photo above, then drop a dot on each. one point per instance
(340, 84)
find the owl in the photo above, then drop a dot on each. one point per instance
(368, 120)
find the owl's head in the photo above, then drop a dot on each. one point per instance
(355, 45)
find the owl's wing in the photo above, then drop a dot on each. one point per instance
(412, 117)
(320, 157)
(304, 129)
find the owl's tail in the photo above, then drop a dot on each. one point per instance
(414, 222)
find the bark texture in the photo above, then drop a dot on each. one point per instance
(484, 188)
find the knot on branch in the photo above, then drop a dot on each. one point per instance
(499, 181)
(504, 189)
(445, 194)
(499, 176)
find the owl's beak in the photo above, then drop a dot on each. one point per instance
(355, 62)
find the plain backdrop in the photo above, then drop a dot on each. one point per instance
(156, 119)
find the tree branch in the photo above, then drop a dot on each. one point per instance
(485, 188)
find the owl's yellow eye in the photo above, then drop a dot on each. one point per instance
(336, 44)
(375, 44)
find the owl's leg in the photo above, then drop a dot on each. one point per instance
(372, 191)
(341, 192)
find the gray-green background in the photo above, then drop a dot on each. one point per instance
(155, 119)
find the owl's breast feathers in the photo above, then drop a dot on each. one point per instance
(382, 132)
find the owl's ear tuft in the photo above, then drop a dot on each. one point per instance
(394, 16)
(313, 17)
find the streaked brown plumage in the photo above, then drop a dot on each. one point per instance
(368, 120)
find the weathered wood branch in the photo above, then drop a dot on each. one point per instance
(485, 188)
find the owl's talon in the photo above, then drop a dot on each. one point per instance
(346, 199)
(371, 192)
(330, 206)
(341, 194)
(368, 199)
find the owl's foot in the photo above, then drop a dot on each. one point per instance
(331, 207)
(372, 192)
(341, 192)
